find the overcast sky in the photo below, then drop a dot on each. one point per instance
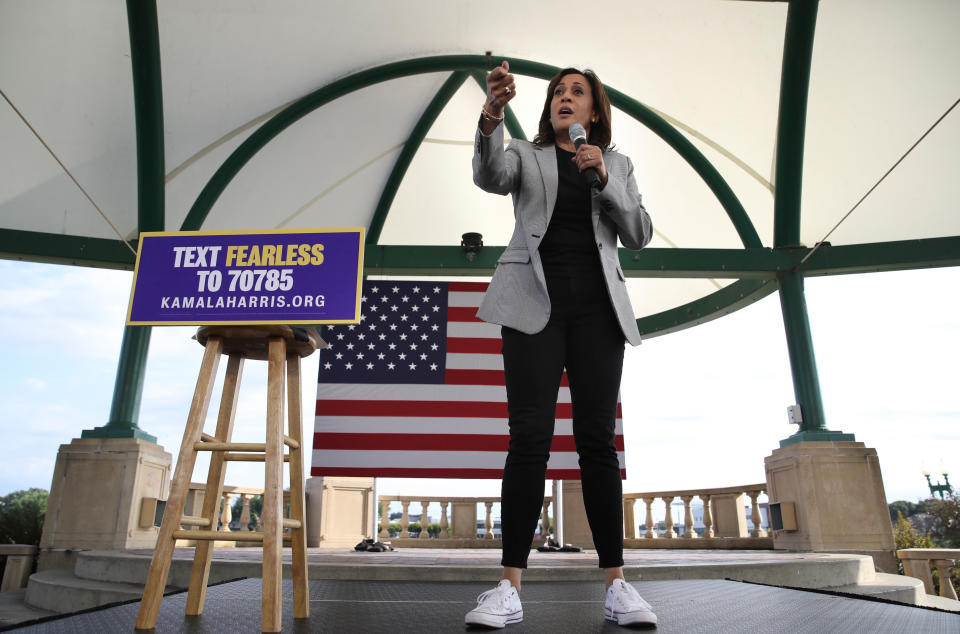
(702, 408)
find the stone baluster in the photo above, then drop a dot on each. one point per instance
(424, 519)
(384, 519)
(755, 515)
(668, 533)
(488, 523)
(707, 516)
(943, 566)
(245, 511)
(226, 515)
(405, 519)
(629, 528)
(444, 524)
(688, 532)
(545, 520)
(651, 533)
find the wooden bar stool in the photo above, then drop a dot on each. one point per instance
(282, 347)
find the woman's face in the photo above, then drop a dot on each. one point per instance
(572, 102)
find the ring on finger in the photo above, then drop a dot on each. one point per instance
(506, 90)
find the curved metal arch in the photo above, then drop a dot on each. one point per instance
(307, 104)
(437, 104)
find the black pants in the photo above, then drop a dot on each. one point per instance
(585, 338)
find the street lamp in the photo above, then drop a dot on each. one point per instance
(938, 488)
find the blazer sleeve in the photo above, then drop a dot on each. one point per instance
(495, 170)
(621, 201)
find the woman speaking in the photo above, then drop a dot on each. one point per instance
(559, 294)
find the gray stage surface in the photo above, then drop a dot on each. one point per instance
(391, 607)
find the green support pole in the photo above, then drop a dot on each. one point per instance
(803, 364)
(794, 88)
(148, 105)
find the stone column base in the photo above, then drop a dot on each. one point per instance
(576, 530)
(96, 494)
(840, 503)
(338, 511)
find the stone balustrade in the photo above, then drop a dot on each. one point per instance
(917, 562)
(18, 564)
(724, 520)
(194, 505)
(458, 525)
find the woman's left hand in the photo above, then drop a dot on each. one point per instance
(588, 156)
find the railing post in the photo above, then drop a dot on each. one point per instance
(545, 520)
(668, 533)
(650, 534)
(384, 519)
(688, 532)
(226, 515)
(629, 527)
(245, 511)
(943, 566)
(444, 524)
(707, 516)
(405, 519)
(755, 515)
(424, 519)
(488, 523)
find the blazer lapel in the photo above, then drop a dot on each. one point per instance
(547, 159)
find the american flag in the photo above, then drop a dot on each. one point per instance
(416, 390)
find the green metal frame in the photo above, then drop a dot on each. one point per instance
(148, 103)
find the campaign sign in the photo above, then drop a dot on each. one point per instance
(308, 276)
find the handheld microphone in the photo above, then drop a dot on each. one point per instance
(578, 135)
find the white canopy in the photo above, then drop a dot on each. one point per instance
(882, 72)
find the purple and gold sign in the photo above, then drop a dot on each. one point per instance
(264, 277)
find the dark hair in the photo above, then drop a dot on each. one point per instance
(600, 132)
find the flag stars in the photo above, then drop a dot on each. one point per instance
(395, 289)
(393, 346)
(413, 346)
(384, 299)
(381, 356)
(435, 328)
(436, 309)
(339, 355)
(349, 366)
(363, 298)
(361, 336)
(403, 318)
(383, 317)
(434, 346)
(394, 307)
(423, 356)
(327, 365)
(425, 318)
(413, 366)
(402, 356)
(382, 336)
(340, 336)
(360, 356)
(423, 337)
(349, 346)
(390, 366)
(351, 327)
(375, 290)
(403, 336)
(393, 326)
(416, 289)
(371, 346)
(413, 327)
(433, 366)
(436, 289)
(415, 308)
(405, 298)
(369, 366)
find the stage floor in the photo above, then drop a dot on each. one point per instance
(685, 606)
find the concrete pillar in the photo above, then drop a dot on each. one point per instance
(576, 530)
(338, 511)
(840, 503)
(98, 487)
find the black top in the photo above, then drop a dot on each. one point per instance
(571, 262)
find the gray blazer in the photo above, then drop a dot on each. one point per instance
(517, 296)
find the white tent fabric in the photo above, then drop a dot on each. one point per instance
(882, 72)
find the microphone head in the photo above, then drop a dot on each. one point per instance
(576, 132)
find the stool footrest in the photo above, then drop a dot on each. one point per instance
(226, 536)
(215, 445)
(249, 457)
(291, 523)
(192, 520)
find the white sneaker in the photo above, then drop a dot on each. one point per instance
(497, 607)
(625, 606)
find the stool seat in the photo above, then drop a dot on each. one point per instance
(253, 342)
